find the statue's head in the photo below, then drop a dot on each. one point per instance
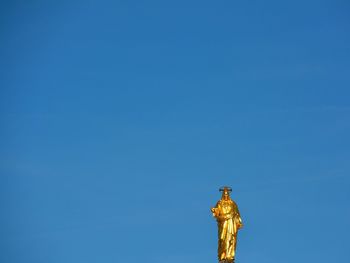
(225, 192)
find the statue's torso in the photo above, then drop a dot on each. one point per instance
(227, 208)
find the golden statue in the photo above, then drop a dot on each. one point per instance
(229, 221)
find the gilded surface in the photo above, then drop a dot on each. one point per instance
(229, 222)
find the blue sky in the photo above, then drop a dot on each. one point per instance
(120, 120)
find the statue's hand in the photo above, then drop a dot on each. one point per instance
(239, 223)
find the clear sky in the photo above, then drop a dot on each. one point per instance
(121, 119)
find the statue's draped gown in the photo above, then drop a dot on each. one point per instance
(229, 221)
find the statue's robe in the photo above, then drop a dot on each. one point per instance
(229, 221)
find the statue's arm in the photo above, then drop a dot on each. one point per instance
(215, 210)
(239, 219)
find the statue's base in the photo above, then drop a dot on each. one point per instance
(227, 261)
